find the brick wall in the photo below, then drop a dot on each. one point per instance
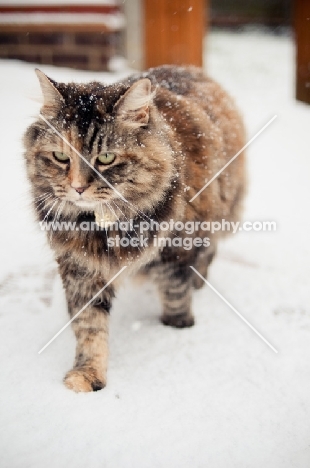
(84, 50)
(82, 36)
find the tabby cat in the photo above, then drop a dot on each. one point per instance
(139, 150)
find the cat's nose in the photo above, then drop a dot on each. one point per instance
(80, 190)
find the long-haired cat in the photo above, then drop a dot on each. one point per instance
(156, 139)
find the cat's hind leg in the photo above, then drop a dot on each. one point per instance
(201, 264)
(174, 282)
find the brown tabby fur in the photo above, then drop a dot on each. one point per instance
(171, 129)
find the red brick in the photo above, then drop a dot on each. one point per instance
(9, 39)
(92, 39)
(74, 61)
(45, 38)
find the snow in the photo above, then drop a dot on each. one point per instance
(214, 395)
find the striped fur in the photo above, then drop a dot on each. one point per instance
(171, 129)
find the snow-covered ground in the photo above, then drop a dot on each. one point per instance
(211, 396)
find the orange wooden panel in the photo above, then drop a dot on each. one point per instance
(174, 31)
(302, 28)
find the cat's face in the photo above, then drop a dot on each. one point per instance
(95, 145)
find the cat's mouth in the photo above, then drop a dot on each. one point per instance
(103, 215)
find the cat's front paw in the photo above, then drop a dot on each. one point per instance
(84, 379)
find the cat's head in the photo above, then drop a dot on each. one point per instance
(94, 144)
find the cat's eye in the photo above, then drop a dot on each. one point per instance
(61, 157)
(106, 158)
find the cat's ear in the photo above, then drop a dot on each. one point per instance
(133, 107)
(52, 97)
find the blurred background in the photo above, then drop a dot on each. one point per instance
(104, 35)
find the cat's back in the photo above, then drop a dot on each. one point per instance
(177, 80)
(210, 130)
(189, 83)
(184, 94)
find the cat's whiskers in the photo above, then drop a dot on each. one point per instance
(56, 217)
(112, 211)
(45, 194)
(41, 197)
(110, 207)
(128, 220)
(42, 202)
(114, 203)
(139, 212)
(55, 201)
(106, 233)
(128, 223)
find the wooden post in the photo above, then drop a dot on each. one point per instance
(173, 32)
(302, 28)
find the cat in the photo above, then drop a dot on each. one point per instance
(156, 138)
